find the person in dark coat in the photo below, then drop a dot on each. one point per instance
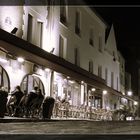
(18, 94)
(3, 101)
(32, 95)
(36, 103)
(12, 105)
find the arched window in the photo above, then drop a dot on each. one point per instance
(30, 81)
(4, 79)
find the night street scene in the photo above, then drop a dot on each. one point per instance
(69, 70)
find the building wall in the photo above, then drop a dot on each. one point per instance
(17, 71)
(52, 29)
(105, 58)
(11, 17)
(81, 43)
(111, 60)
(39, 14)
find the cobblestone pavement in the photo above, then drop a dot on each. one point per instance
(70, 129)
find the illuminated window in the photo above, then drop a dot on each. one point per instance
(77, 23)
(97, 102)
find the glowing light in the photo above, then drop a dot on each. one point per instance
(65, 80)
(104, 92)
(135, 103)
(129, 93)
(82, 82)
(47, 69)
(129, 118)
(93, 89)
(68, 77)
(72, 82)
(20, 59)
(107, 107)
(3, 60)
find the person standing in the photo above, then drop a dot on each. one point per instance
(32, 95)
(18, 95)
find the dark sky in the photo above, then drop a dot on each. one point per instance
(126, 20)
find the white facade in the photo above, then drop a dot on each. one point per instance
(42, 26)
(111, 61)
(89, 20)
(52, 29)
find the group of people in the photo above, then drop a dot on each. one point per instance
(20, 104)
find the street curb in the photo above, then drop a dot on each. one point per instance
(14, 120)
(24, 120)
